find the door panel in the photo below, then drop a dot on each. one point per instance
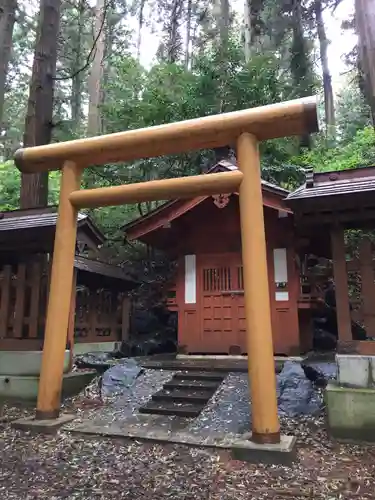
(222, 303)
(222, 308)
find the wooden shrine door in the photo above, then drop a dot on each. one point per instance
(221, 297)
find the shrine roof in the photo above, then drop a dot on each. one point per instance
(337, 183)
(44, 218)
(170, 210)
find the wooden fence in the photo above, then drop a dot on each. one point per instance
(101, 315)
(361, 278)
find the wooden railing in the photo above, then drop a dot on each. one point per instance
(100, 316)
(23, 300)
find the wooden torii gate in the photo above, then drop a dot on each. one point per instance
(242, 129)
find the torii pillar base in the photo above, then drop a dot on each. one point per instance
(39, 426)
(282, 453)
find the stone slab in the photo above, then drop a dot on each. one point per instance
(49, 426)
(354, 370)
(218, 365)
(88, 347)
(350, 413)
(242, 449)
(25, 388)
(25, 363)
(283, 453)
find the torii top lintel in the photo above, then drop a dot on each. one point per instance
(296, 117)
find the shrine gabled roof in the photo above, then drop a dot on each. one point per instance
(225, 165)
(43, 218)
(175, 208)
(335, 184)
(103, 269)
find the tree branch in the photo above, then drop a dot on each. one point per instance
(335, 5)
(92, 50)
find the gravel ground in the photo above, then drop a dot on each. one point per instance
(69, 466)
(121, 407)
(228, 411)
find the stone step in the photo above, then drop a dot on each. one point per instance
(172, 408)
(194, 365)
(204, 385)
(212, 376)
(185, 396)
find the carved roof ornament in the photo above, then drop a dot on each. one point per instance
(221, 200)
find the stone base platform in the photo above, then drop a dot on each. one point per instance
(241, 447)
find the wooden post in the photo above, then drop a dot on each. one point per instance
(72, 317)
(59, 301)
(341, 284)
(368, 285)
(262, 378)
(125, 317)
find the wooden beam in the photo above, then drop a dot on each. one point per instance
(20, 300)
(182, 187)
(341, 284)
(5, 291)
(262, 380)
(345, 218)
(125, 317)
(36, 280)
(59, 300)
(283, 119)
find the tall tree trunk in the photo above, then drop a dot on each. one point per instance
(173, 45)
(253, 27)
(188, 33)
(38, 123)
(111, 22)
(300, 65)
(327, 80)
(94, 124)
(365, 22)
(221, 13)
(140, 26)
(76, 96)
(247, 30)
(222, 19)
(7, 19)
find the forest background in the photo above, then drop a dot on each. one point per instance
(74, 68)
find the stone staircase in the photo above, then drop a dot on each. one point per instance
(185, 395)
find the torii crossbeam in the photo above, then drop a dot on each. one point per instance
(242, 129)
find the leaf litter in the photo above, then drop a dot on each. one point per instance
(69, 466)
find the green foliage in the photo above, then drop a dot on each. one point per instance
(10, 183)
(136, 98)
(359, 152)
(217, 80)
(352, 112)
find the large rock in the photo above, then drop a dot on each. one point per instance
(295, 393)
(144, 322)
(120, 377)
(324, 340)
(99, 361)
